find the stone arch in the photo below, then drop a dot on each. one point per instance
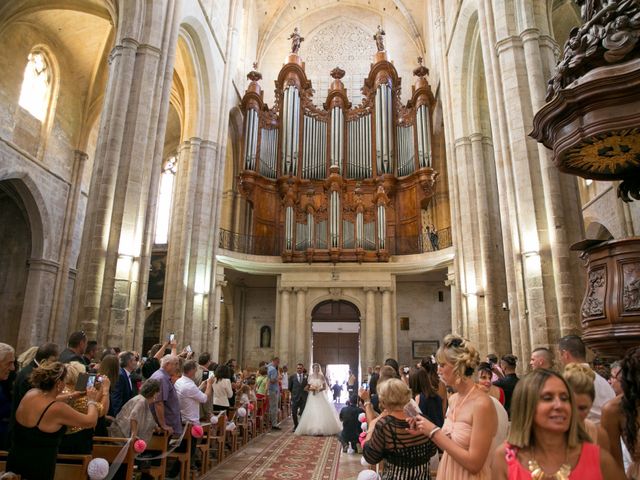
(36, 210)
(357, 302)
(201, 86)
(597, 231)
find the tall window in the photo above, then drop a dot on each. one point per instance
(165, 197)
(36, 86)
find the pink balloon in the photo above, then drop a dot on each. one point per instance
(251, 407)
(361, 438)
(362, 418)
(140, 446)
(197, 431)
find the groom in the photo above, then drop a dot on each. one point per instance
(299, 393)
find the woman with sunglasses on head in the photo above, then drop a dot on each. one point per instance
(471, 421)
(41, 421)
(546, 439)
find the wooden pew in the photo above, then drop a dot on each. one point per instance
(109, 448)
(158, 445)
(71, 467)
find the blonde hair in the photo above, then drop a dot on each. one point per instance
(581, 379)
(26, 357)
(73, 370)
(460, 353)
(523, 410)
(394, 394)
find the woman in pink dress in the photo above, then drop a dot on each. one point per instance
(546, 439)
(471, 421)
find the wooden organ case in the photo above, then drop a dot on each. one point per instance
(340, 183)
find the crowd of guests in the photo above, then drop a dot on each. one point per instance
(565, 419)
(55, 402)
(562, 420)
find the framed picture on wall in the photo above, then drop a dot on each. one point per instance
(156, 275)
(424, 348)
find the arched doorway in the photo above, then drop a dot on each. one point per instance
(336, 334)
(15, 238)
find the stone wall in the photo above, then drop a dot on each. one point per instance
(429, 318)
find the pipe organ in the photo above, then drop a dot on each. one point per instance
(338, 182)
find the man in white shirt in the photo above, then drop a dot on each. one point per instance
(573, 350)
(190, 397)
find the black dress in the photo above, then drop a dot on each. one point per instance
(33, 453)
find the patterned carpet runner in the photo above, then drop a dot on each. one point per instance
(292, 458)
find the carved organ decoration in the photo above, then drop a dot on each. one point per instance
(338, 182)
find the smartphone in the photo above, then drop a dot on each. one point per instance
(365, 385)
(144, 359)
(91, 380)
(205, 375)
(81, 382)
(172, 337)
(188, 349)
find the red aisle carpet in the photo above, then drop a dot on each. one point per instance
(292, 457)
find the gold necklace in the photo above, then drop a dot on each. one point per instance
(537, 473)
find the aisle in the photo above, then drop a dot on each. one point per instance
(282, 455)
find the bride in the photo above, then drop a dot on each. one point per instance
(319, 416)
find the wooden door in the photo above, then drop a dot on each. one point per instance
(336, 348)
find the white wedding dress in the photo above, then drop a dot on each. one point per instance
(319, 416)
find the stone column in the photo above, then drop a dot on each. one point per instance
(388, 349)
(215, 328)
(188, 280)
(283, 335)
(300, 333)
(58, 324)
(128, 159)
(38, 303)
(371, 334)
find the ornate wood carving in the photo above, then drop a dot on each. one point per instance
(611, 307)
(591, 120)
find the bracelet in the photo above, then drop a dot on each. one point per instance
(433, 432)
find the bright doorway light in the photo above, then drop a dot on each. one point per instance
(338, 373)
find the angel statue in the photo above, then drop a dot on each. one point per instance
(296, 40)
(379, 38)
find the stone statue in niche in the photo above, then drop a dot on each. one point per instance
(631, 292)
(379, 38)
(265, 337)
(296, 40)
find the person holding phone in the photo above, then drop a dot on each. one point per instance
(406, 453)
(41, 421)
(77, 440)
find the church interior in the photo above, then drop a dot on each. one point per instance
(337, 182)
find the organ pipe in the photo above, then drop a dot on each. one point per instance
(382, 226)
(288, 222)
(359, 229)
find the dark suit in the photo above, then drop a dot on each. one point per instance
(350, 426)
(298, 396)
(123, 392)
(69, 355)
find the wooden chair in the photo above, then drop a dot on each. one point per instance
(260, 419)
(184, 457)
(3, 460)
(252, 423)
(243, 428)
(218, 438)
(232, 435)
(109, 448)
(206, 446)
(71, 467)
(158, 445)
